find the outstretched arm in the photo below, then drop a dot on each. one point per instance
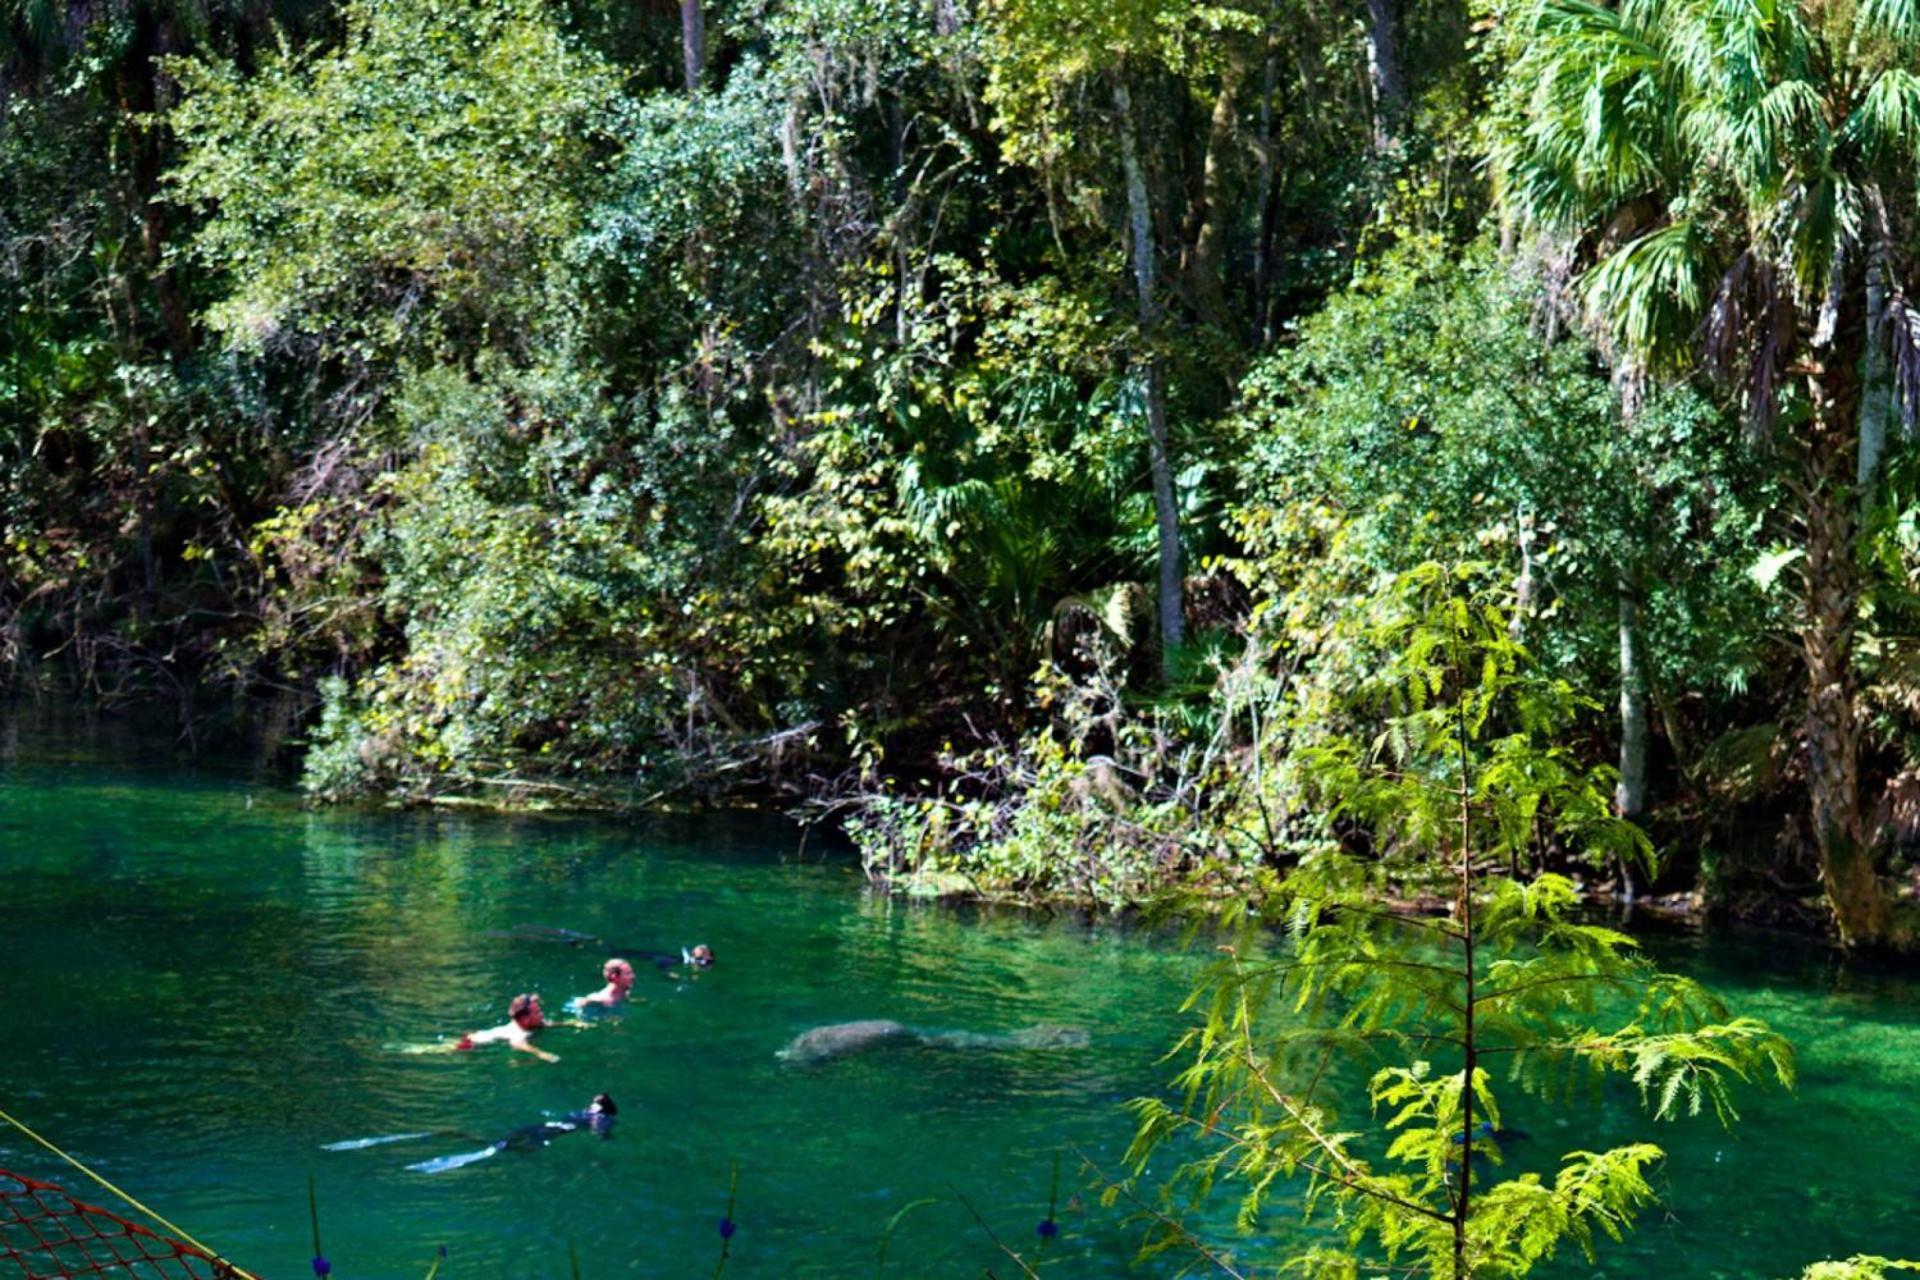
(529, 1046)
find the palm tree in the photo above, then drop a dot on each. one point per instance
(1739, 177)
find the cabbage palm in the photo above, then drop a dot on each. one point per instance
(1739, 176)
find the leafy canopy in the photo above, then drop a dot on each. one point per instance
(411, 193)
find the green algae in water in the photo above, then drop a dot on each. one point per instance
(207, 976)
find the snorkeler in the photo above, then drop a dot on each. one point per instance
(524, 1017)
(596, 1118)
(671, 963)
(619, 976)
(700, 956)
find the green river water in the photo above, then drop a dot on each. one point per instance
(205, 980)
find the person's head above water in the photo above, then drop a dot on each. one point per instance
(526, 1013)
(619, 977)
(702, 955)
(598, 1117)
(524, 1017)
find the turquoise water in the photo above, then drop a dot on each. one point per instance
(208, 980)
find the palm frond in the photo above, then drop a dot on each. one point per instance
(1652, 292)
(1895, 20)
(1885, 124)
(1815, 241)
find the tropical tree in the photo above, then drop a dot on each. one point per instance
(41, 39)
(1039, 52)
(1738, 177)
(405, 197)
(130, 455)
(1425, 406)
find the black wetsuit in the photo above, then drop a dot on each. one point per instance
(528, 1137)
(661, 960)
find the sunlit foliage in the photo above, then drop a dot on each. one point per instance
(1419, 948)
(982, 410)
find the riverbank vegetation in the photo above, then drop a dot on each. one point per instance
(993, 423)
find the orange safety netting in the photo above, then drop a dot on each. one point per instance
(48, 1235)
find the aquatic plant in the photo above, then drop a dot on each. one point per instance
(727, 1225)
(321, 1266)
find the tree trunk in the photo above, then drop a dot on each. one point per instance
(693, 42)
(1159, 454)
(1462, 1213)
(1876, 382)
(1832, 597)
(174, 316)
(1525, 587)
(1209, 273)
(693, 53)
(1263, 203)
(1630, 793)
(899, 191)
(1383, 72)
(1166, 519)
(139, 101)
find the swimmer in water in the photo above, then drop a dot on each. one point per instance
(619, 976)
(524, 1017)
(699, 956)
(596, 1118)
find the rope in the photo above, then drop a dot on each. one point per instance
(177, 1232)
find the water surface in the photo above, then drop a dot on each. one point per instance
(207, 980)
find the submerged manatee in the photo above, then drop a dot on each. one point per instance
(843, 1038)
(1048, 1035)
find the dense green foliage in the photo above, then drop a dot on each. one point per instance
(1029, 431)
(1861, 1267)
(979, 419)
(1458, 797)
(1740, 181)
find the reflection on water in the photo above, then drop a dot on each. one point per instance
(206, 980)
